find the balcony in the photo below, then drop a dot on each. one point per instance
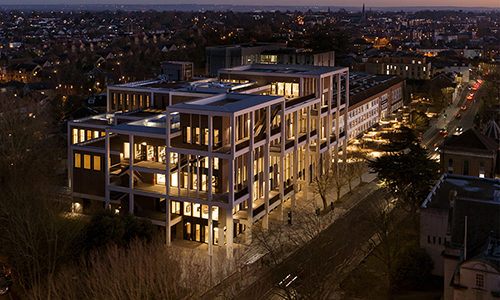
(299, 100)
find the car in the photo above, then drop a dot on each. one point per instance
(463, 107)
(5, 280)
(457, 116)
(443, 130)
(460, 129)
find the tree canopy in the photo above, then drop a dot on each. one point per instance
(405, 168)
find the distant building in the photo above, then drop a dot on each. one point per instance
(23, 72)
(177, 71)
(296, 56)
(226, 56)
(410, 67)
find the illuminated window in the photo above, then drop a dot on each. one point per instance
(96, 134)
(82, 135)
(481, 169)
(196, 210)
(75, 136)
(126, 150)
(89, 134)
(187, 209)
(86, 161)
(97, 163)
(78, 160)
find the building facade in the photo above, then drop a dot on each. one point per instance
(206, 159)
(459, 223)
(408, 67)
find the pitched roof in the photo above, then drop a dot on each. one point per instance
(492, 130)
(471, 139)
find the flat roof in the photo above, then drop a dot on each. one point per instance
(283, 69)
(467, 187)
(226, 102)
(155, 124)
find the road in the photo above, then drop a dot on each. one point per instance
(318, 259)
(466, 121)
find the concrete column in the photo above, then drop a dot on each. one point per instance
(301, 87)
(250, 181)
(346, 111)
(131, 174)
(229, 233)
(107, 165)
(210, 231)
(222, 223)
(265, 219)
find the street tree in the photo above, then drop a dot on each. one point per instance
(339, 177)
(405, 169)
(391, 234)
(323, 184)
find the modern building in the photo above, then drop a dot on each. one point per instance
(227, 56)
(177, 70)
(459, 228)
(470, 153)
(298, 56)
(206, 159)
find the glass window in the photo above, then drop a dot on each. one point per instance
(126, 150)
(204, 211)
(481, 169)
(96, 134)
(450, 166)
(465, 168)
(196, 210)
(78, 160)
(75, 136)
(89, 134)
(187, 209)
(479, 280)
(86, 161)
(97, 163)
(82, 135)
(215, 213)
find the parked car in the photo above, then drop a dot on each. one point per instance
(5, 280)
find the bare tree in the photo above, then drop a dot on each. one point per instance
(323, 184)
(389, 238)
(35, 239)
(360, 168)
(350, 173)
(339, 177)
(141, 271)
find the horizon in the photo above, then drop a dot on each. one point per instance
(381, 4)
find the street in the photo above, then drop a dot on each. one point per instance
(433, 137)
(318, 259)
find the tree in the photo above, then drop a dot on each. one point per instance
(36, 239)
(390, 234)
(108, 228)
(141, 271)
(323, 185)
(405, 169)
(339, 177)
(413, 268)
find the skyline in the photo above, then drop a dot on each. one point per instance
(376, 4)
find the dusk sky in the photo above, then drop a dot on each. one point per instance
(376, 3)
